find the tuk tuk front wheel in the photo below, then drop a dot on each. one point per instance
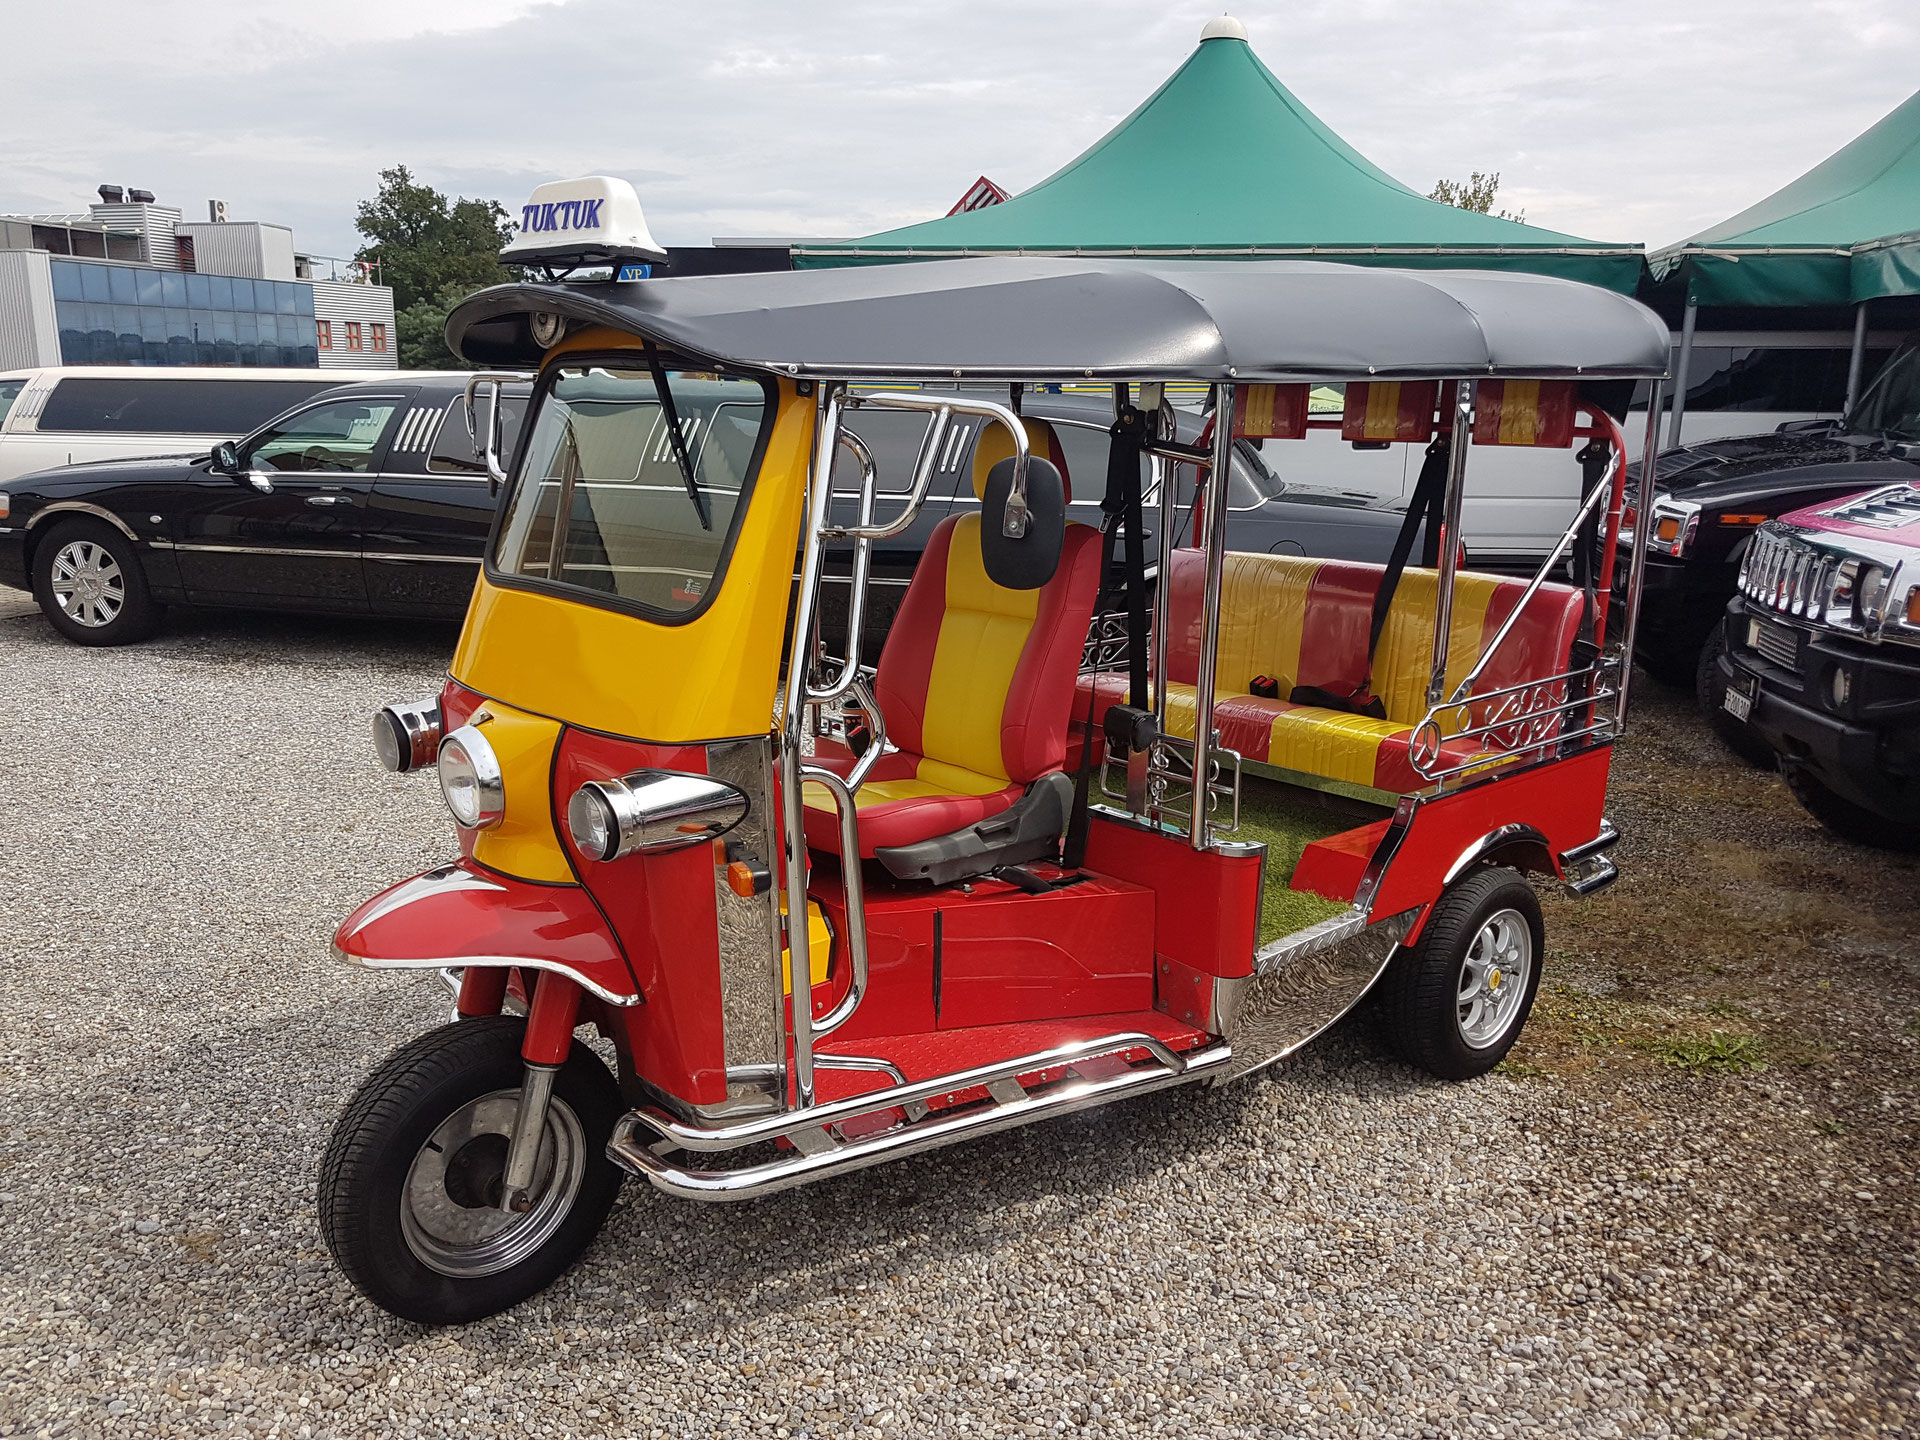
(1456, 1001)
(410, 1186)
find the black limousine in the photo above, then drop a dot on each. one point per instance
(364, 499)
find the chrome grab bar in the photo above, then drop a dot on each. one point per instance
(1608, 482)
(856, 895)
(862, 564)
(489, 452)
(943, 409)
(1423, 746)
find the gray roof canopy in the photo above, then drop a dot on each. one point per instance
(1031, 318)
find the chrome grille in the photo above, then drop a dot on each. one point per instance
(1775, 643)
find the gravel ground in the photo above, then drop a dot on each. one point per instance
(1687, 1208)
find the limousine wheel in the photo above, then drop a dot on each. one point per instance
(410, 1186)
(90, 585)
(1456, 1001)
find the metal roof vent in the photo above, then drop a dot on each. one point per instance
(112, 195)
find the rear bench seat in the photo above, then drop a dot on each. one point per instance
(1305, 622)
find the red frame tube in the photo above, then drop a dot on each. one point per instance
(550, 1020)
(483, 990)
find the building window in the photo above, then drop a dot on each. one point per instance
(354, 339)
(324, 330)
(380, 338)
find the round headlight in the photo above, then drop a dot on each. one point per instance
(1841, 687)
(406, 734)
(1870, 591)
(595, 828)
(470, 780)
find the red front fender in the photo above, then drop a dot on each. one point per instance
(461, 915)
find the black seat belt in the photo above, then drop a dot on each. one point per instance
(1428, 503)
(1120, 506)
(1593, 459)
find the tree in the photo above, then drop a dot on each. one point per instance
(1475, 193)
(434, 253)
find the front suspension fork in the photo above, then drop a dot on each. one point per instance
(551, 1017)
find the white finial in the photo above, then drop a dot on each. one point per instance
(1225, 28)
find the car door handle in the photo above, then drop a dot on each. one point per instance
(329, 499)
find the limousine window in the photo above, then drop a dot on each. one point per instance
(171, 407)
(9, 391)
(454, 449)
(338, 437)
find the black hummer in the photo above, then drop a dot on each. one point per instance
(1711, 498)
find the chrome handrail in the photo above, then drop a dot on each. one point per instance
(943, 410)
(1424, 745)
(856, 901)
(862, 564)
(1608, 481)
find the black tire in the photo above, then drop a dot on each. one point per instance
(105, 558)
(1848, 820)
(374, 1232)
(1422, 987)
(1709, 693)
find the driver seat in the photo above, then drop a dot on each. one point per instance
(975, 682)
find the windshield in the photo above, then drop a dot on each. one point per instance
(648, 521)
(1891, 406)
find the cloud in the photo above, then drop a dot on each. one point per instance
(1631, 121)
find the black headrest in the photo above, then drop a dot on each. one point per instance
(1028, 562)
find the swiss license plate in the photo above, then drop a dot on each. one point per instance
(1738, 701)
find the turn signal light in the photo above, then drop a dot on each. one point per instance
(1913, 606)
(1666, 529)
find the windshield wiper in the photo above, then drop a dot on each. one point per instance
(679, 439)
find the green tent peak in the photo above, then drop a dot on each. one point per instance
(1222, 158)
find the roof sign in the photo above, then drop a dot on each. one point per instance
(591, 221)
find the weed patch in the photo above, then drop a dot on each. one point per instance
(1717, 1053)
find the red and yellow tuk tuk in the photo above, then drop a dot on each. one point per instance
(1117, 808)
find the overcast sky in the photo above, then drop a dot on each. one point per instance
(1633, 120)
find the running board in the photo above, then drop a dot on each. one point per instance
(1094, 1072)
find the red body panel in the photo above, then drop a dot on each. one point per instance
(946, 959)
(1334, 867)
(475, 913)
(661, 908)
(1207, 906)
(1563, 801)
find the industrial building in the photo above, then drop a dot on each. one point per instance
(130, 282)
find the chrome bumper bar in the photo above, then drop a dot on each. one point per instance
(644, 1140)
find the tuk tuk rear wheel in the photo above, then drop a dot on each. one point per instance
(410, 1183)
(1457, 1000)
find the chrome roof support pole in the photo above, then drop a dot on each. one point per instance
(792, 725)
(1857, 357)
(1641, 499)
(1463, 394)
(1216, 540)
(1680, 375)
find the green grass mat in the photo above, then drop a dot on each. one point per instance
(1287, 824)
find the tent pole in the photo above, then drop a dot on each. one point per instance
(1859, 354)
(1680, 375)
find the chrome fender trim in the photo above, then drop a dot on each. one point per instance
(449, 962)
(1494, 840)
(80, 507)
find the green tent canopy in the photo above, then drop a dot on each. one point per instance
(1846, 231)
(1223, 162)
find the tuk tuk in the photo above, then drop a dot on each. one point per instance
(1115, 809)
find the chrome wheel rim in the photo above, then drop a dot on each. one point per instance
(449, 1206)
(1493, 979)
(87, 584)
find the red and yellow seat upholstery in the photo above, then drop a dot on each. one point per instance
(1305, 622)
(975, 683)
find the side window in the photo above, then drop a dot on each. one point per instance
(171, 407)
(9, 391)
(340, 437)
(456, 452)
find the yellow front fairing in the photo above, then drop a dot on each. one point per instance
(710, 677)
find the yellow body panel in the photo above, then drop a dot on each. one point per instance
(982, 635)
(711, 677)
(523, 845)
